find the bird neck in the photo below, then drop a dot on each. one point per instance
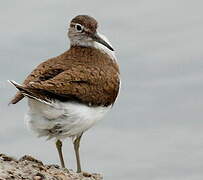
(92, 44)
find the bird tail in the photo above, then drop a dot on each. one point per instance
(19, 96)
(28, 92)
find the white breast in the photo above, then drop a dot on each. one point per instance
(62, 120)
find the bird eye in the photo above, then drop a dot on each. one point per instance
(79, 27)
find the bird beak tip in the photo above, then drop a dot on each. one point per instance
(100, 40)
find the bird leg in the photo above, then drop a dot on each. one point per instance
(76, 148)
(59, 148)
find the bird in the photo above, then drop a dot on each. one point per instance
(69, 93)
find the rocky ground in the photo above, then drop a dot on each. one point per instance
(28, 168)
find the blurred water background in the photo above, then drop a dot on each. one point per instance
(155, 130)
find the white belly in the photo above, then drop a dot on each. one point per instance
(60, 120)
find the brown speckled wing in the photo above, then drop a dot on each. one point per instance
(87, 85)
(84, 78)
(45, 70)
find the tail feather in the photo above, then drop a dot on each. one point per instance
(21, 88)
(19, 96)
(18, 86)
(25, 91)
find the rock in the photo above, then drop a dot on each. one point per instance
(29, 168)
